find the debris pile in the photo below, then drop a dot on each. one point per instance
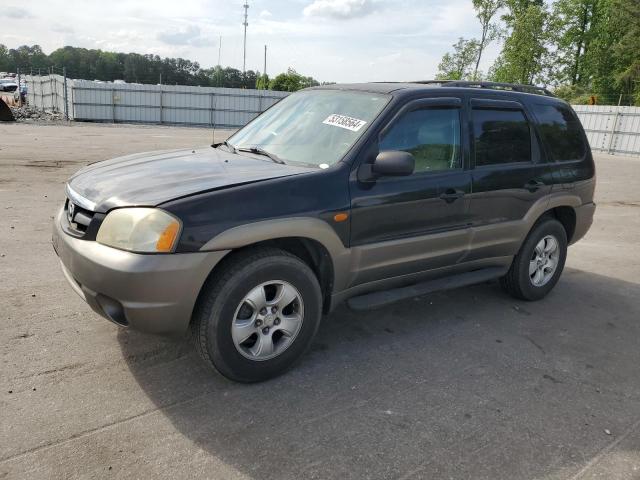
(28, 112)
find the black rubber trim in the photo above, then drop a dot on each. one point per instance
(380, 299)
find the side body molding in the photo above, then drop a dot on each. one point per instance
(506, 238)
(301, 227)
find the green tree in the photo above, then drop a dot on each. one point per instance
(459, 64)
(5, 59)
(523, 55)
(486, 10)
(291, 81)
(94, 64)
(262, 83)
(572, 26)
(627, 50)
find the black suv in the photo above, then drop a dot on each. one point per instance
(369, 192)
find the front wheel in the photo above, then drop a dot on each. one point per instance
(537, 267)
(258, 315)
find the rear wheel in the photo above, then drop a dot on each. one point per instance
(539, 264)
(258, 315)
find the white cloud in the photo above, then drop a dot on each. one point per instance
(59, 28)
(15, 13)
(189, 35)
(394, 39)
(339, 9)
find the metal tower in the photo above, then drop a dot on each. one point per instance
(246, 24)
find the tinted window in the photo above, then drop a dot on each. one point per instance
(431, 135)
(501, 136)
(560, 130)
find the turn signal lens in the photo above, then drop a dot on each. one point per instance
(168, 238)
(340, 217)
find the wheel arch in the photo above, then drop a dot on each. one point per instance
(566, 215)
(312, 240)
(561, 207)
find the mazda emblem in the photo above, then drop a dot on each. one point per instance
(71, 210)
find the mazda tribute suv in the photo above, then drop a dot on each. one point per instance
(366, 193)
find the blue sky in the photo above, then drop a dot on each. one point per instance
(331, 40)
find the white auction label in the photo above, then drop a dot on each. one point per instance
(343, 121)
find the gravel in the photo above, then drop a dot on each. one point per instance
(31, 113)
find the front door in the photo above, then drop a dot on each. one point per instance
(404, 225)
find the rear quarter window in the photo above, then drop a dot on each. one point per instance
(561, 132)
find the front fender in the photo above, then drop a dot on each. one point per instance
(293, 227)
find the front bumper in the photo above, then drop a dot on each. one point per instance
(154, 293)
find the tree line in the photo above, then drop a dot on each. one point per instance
(94, 64)
(587, 51)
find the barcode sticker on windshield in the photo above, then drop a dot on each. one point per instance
(343, 121)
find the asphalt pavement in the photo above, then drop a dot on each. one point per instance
(465, 384)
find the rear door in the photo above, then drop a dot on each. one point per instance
(405, 225)
(509, 175)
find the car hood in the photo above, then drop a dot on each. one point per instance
(151, 178)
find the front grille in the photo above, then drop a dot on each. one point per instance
(80, 222)
(79, 219)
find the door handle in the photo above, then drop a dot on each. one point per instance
(451, 195)
(533, 185)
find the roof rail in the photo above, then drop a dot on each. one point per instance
(514, 87)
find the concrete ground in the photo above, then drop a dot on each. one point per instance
(462, 384)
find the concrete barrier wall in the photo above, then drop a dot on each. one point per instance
(611, 129)
(156, 104)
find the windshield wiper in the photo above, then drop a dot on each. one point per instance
(261, 151)
(226, 144)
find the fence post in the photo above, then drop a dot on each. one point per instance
(73, 105)
(53, 107)
(66, 104)
(113, 106)
(211, 109)
(19, 89)
(615, 125)
(161, 103)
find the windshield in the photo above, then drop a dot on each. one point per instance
(314, 127)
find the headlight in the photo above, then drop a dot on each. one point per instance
(147, 230)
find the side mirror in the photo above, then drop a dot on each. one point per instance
(393, 163)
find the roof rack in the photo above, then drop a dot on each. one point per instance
(514, 87)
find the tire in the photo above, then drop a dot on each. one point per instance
(223, 309)
(519, 282)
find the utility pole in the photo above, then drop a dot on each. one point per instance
(219, 73)
(264, 71)
(246, 24)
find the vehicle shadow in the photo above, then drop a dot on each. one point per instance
(462, 384)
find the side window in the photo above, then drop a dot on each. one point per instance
(431, 135)
(501, 136)
(560, 131)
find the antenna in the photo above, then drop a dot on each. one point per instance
(246, 24)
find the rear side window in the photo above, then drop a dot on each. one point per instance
(431, 135)
(561, 132)
(501, 136)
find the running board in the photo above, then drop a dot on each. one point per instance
(373, 300)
